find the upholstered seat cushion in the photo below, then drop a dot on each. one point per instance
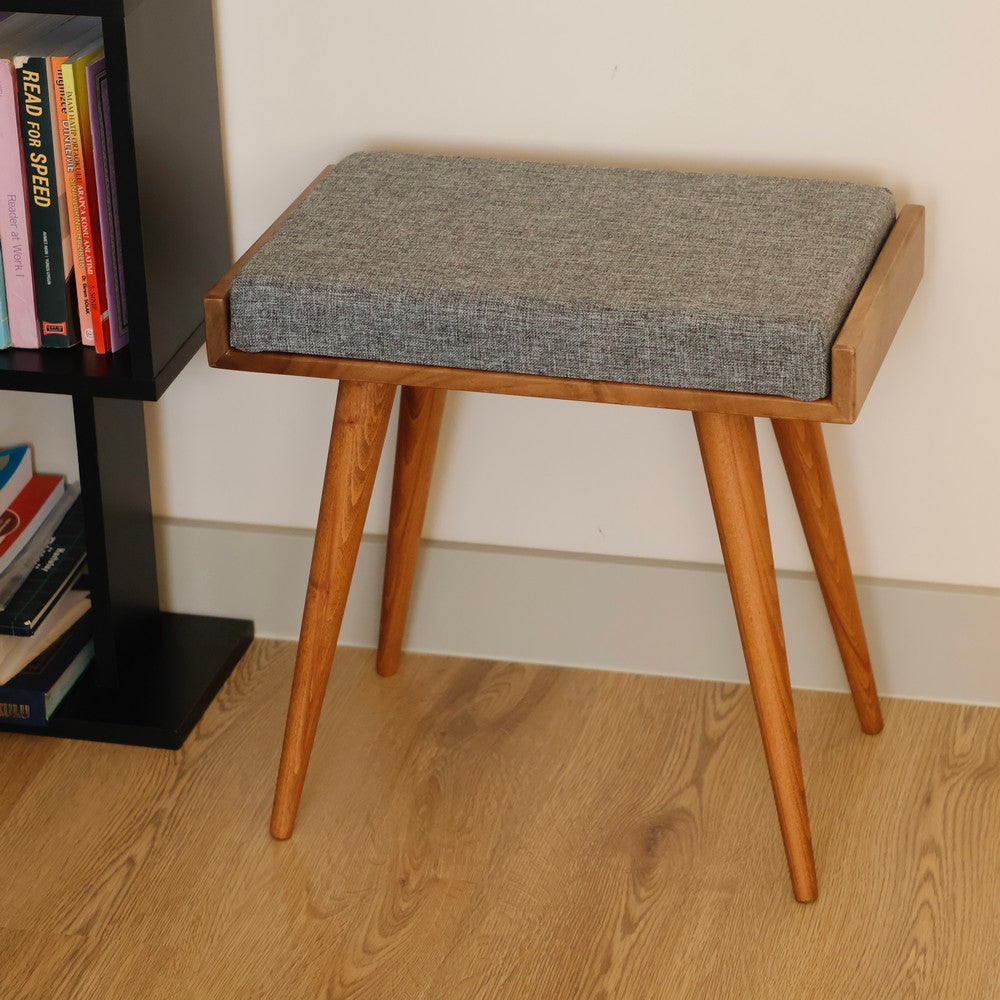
(710, 281)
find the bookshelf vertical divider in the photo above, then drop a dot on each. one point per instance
(154, 672)
(121, 562)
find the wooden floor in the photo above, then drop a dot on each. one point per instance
(494, 830)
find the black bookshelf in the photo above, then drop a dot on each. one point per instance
(153, 672)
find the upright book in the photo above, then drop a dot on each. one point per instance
(74, 167)
(17, 31)
(51, 243)
(4, 322)
(15, 246)
(107, 203)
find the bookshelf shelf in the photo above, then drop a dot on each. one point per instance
(159, 706)
(79, 370)
(153, 673)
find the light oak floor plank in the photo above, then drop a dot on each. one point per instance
(493, 830)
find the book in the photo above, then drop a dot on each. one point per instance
(107, 204)
(24, 516)
(57, 569)
(16, 469)
(15, 247)
(14, 576)
(55, 314)
(74, 169)
(89, 221)
(4, 321)
(16, 651)
(31, 696)
(51, 244)
(17, 31)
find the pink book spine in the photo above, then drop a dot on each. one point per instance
(15, 238)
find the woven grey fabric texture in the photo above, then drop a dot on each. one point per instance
(708, 281)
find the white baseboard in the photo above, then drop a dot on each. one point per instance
(932, 642)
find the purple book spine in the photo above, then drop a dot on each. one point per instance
(15, 238)
(107, 202)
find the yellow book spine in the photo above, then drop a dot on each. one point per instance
(90, 229)
(69, 128)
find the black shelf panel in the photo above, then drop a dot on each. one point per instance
(181, 668)
(82, 371)
(88, 8)
(171, 196)
(74, 369)
(154, 673)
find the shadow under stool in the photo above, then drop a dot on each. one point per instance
(733, 297)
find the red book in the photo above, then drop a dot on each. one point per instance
(25, 515)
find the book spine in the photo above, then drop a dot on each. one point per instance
(14, 234)
(22, 708)
(42, 167)
(57, 102)
(4, 319)
(107, 201)
(76, 197)
(93, 248)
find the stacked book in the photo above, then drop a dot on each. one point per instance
(45, 634)
(62, 277)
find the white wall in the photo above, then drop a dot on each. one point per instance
(900, 94)
(46, 422)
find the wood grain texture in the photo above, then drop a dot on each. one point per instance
(870, 327)
(803, 452)
(732, 467)
(420, 413)
(856, 355)
(489, 830)
(545, 386)
(43, 965)
(359, 425)
(27, 759)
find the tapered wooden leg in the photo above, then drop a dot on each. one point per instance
(359, 427)
(732, 467)
(420, 412)
(804, 454)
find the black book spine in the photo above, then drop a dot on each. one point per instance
(41, 165)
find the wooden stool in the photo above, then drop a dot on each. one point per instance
(732, 297)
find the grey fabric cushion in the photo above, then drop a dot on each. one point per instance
(708, 281)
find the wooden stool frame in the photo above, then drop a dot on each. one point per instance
(727, 438)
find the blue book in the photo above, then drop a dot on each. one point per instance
(30, 697)
(4, 318)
